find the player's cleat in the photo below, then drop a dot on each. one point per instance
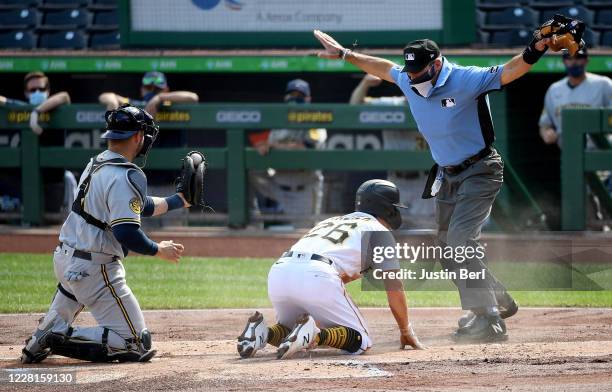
(254, 337)
(506, 310)
(36, 348)
(482, 328)
(123, 356)
(466, 318)
(146, 357)
(302, 337)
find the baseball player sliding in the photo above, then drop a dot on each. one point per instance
(306, 284)
(450, 105)
(103, 225)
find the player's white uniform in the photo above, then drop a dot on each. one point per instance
(300, 284)
(102, 288)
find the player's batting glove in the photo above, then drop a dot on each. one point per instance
(191, 181)
(73, 276)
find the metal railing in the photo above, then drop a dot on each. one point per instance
(577, 163)
(235, 157)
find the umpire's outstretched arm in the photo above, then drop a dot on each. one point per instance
(512, 70)
(373, 65)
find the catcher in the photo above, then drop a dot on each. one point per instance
(450, 106)
(103, 225)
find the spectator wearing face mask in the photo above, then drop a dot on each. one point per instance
(36, 90)
(153, 93)
(578, 89)
(298, 192)
(58, 183)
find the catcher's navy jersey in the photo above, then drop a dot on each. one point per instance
(454, 118)
(111, 198)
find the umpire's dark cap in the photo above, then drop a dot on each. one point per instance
(419, 53)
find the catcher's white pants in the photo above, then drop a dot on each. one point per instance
(297, 285)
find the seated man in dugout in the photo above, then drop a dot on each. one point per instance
(154, 92)
(297, 192)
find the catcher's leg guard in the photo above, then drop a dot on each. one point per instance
(76, 345)
(37, 345)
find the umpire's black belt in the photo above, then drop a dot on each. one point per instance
(313, 256)
(87, 255)
(456, 169)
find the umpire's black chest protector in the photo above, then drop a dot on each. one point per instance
(78, 206)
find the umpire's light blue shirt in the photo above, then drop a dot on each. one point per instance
(455, 118)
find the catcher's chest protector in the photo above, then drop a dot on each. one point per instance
(78, 206)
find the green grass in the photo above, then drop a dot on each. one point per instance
(27, 284)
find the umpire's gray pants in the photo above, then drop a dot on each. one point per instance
(463, 205)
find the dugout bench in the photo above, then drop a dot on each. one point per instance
(236, 157)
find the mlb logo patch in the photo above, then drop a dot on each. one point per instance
(410, 56)
(448, 102)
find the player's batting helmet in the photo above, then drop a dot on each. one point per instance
(126, 121)
(380, 198)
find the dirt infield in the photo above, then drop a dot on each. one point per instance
(548, 350)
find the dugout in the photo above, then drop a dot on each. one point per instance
(536, 164)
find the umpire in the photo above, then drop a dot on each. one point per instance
(451, 108)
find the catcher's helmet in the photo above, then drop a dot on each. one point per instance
(126, 121)
(380, 198)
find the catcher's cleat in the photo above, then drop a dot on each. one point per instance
(254, 337)
(482, 329)
(146, 357)
(36, 348)
(302, 337)
(505, 311)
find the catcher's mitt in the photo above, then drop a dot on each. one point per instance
(565, 33)
(191, 181)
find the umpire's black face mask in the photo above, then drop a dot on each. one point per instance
(428, 73)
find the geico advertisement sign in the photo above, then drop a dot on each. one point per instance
(238, 116)
(376, 117)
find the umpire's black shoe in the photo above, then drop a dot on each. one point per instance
(482, 328)
(507, 308)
